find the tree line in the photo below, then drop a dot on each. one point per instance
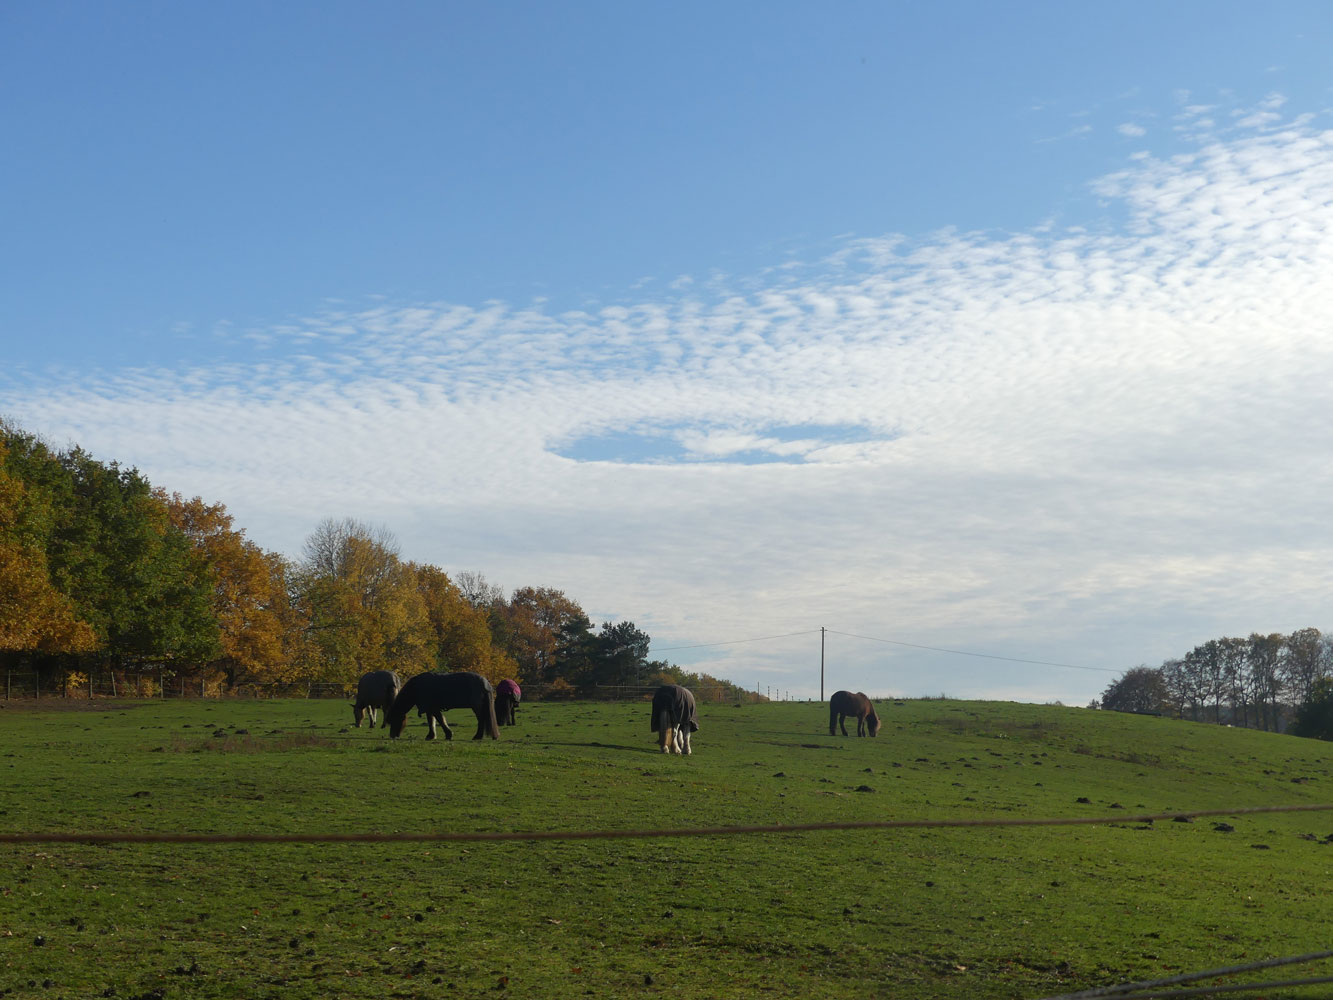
(1262, 681)
(101, 570)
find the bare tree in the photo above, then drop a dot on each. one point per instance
(1303, 662)
(477, 590)
(1233, 654)
(1265, 686)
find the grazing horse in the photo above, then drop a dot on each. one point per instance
(376, 689)
(674, 718)
(435, 694)
(507, 697)
(843, 704)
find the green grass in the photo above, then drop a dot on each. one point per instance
(978, 912)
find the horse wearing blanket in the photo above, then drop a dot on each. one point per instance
(434, 694)
(376, 689)
(507, 696)
(843, 704)
(674, 718)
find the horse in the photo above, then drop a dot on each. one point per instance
(507, 697)
(376, 689)
(674, 718)
(435, 694)
(843, 704)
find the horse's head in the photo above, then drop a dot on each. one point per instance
(872, 723)
(395, 724)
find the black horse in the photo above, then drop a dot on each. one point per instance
(435, 694)
(376, 689)
(507, 696)
(843, 704)
(674, 718)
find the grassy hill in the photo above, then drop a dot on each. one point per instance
(971, 912)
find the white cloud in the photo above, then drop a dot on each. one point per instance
(1088, 447)
(1131, 130)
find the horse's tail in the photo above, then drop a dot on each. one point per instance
(395, 715)
(490, 711)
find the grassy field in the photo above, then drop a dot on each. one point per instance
(959, 913)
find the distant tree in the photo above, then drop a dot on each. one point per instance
(1304, 660)
(132, 574)
(546, 633)
(1233, 660)
(1314, 716)
(463, 639)
(363, 606)
(477, 590)
(248, 593)
(1182, 688)
(1139, 689)
(34, 616)
(620, 654)
(1262, 656)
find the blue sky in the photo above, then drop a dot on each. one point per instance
(995, 327)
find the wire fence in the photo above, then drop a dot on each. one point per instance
(457, 836)
(1143, 990)
(163, 684)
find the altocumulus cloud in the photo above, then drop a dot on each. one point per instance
(1092, 447)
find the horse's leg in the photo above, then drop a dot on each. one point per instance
(448, 733)
(430, 725)
(685, 739)
(860, 725)
(481, 723)
(664, 731)
(842, 724)
(370, 714)
(832, 721)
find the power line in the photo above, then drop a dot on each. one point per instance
(964, 652)
(892, 642)
(733, 642)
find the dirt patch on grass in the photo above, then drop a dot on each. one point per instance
(248, 744)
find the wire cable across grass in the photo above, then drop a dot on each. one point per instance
(704, 831)
(1151, 989)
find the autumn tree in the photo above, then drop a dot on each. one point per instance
(131, 574)
(257, 625)
(461, 630)
(362, 604)
(545, 632)
(34, 616)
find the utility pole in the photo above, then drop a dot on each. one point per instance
(821, 663)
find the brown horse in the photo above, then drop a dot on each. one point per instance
(843, 704)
